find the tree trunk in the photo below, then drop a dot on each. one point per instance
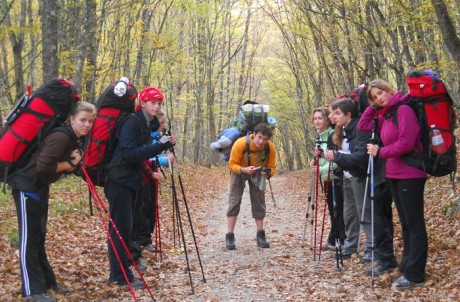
(50, 37)
(449, 33)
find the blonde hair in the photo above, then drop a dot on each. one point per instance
(83, 106)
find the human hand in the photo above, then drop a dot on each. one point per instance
(158, 176)
(330, 155)
(372, 149)
(251, 170)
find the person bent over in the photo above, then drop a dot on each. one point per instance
(252, 159)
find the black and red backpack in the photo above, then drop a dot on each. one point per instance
(359, 96)
(31, 119)
(113, 106)
(435, 111)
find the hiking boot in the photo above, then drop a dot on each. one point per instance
(327, 246)
(366, 258)
(261, 242)
(382, 267)
(39, 298)
(230, 241)
(141, 266)
(402, 282)
(60, 289)
(135, 283)
(150, 248)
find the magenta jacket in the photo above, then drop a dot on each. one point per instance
(398, 139)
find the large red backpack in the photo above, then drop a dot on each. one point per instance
(31, 120)
(114, 104)
(435, 111)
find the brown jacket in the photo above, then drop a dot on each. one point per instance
(40, 171)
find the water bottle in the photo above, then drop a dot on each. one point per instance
(121, 86)
(437, 142)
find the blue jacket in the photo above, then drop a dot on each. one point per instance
(132, 149)
(161, 159)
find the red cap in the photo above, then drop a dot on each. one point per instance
(151, 94)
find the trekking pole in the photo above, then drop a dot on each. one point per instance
(99, 203)
(338, 245)
(318, 176)
(159, 247)
(190, 218)
(326, 194)
(368, 176)
(271, 192)
(310, 196)
(180, 227)
(372, 221)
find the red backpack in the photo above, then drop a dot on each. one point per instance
(434, 108)
(30, 121)
(114, 105)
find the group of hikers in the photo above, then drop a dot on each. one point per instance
(346, 144)
(128, 188)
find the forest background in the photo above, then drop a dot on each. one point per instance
(209, 56)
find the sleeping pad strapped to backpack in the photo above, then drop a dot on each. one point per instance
(31, 120)
(114, 104)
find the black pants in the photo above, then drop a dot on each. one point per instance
(408, 197)
(335, 211)
(121, 204)
(147, 217)
(383, 224)
(37, 276)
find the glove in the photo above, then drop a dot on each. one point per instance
(164, 142)
(268, 172)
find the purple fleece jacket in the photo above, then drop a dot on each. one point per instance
(399, 139)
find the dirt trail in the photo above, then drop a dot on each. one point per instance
(249, 273)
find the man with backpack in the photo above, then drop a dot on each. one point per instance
(252, 159)
(125, 175)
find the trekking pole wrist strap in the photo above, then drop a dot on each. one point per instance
(71, 163)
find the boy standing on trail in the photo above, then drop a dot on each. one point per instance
(125, 175)
(252, 159)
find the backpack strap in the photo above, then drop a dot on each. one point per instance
(266, 151)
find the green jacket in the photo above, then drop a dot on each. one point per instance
(324, 163)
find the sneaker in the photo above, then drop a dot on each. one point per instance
(382, 268)
(135, 283)
(326, 246)
(39, 298)
(260, 238)
(150, 248)
(367, 257)
(230, 241)
(402, 282)
(142, 267)
(60, 289)
(345, 254)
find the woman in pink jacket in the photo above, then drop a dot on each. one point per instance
(399, 131)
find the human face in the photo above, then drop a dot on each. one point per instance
(380, 97)
(151, 108)
(331, 114)
(320, 122)
(162, 123)
(341, 119)
(260, 140)
(82, 122)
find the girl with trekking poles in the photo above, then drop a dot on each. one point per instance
(400, 136)
(59, 153)
(322, 124)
